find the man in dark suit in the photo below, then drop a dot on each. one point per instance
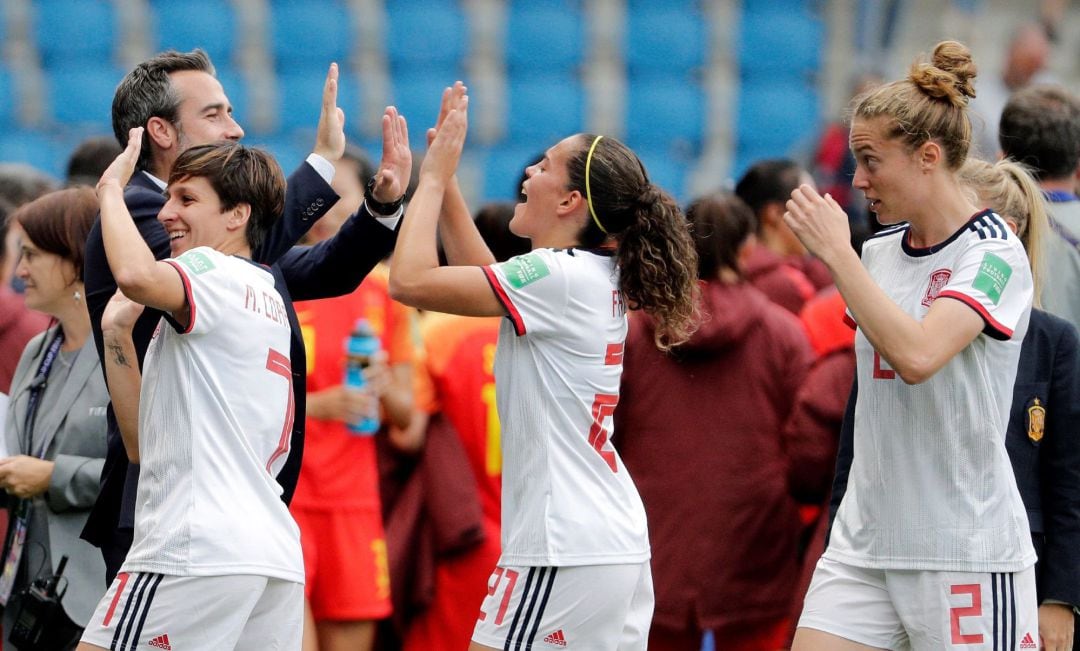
(176, 97)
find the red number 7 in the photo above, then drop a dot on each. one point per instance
(279, 364)
(512, 577)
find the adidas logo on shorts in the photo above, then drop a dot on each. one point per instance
(161, 642)
(1027, 642)
(557, 638)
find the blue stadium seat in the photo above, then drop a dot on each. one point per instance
(776, 42)
(187, 24)
(418, 96)
(300, 100)
(310, 34)
(677, 5)
(544, 39)
(423, 35)
(8, 99)
(774, 117)
(74, 31)
(504, 167)
(665, 170)
(82, 94)
(36, 149)
(544, 109)
(665, 40)
(665, 111)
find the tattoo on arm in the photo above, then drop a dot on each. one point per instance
(117, 351)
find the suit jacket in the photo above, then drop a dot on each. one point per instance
(74, 434)
(336, 266)
(1045, 460)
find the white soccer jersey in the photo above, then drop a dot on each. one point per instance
(931, 486)
(567, 497)
(215, 417)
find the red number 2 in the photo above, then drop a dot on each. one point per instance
(279, 364)
(603, 407)
(511, 577)
(974, 610)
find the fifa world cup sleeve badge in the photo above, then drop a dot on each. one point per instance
(1036, 420)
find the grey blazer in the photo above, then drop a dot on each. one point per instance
(75, 431)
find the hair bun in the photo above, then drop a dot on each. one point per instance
(949, 75)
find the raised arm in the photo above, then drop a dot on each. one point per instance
(916, 350)
(122, 368)
(416, 278)
(461, 240)
(142, 278)
(308, 195)
(338, 265)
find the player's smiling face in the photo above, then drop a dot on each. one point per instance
(886, 171)
(545, 187)
(192, 216)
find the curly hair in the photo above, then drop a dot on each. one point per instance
(656, 256)
(930, 104)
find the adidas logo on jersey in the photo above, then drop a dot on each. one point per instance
(161, 642)
(1027, 642)
(557, 638)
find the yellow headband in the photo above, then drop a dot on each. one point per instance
(588, 193)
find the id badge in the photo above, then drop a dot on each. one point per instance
(17, 540)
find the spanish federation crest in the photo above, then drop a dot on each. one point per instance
(1036, 420)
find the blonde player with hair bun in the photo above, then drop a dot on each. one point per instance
(930, 548)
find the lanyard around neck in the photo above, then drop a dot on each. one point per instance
(37, 387)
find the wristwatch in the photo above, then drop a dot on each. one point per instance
(378, 207)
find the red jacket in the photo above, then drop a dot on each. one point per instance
(700, 432)
(18, 325)
(784, 284)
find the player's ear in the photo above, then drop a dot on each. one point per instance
(239, 216)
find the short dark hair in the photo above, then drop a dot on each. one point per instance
(719, 224)
(5, 212)
(1040, 127)
(90, 159)
(60, 221)
(238, 175)
(768, 181)
(21, 183)
(147, 92)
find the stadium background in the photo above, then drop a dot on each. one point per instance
(699, 88)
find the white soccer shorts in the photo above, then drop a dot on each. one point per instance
(595, 607)
(198, 613)
(924, 610)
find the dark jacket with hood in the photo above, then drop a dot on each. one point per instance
(700, 432)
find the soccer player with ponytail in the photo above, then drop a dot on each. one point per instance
(574, 569)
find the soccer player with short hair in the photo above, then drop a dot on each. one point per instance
(216, 560)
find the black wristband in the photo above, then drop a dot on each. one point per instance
(377, 207)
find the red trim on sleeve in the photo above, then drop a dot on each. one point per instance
(850, 321)
(187, 294)
(993, 328)
(504, 298)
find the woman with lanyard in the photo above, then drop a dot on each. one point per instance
(54, 436)
(574, 570)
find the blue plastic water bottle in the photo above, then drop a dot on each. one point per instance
(360, 348)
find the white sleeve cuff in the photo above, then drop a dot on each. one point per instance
(389, 221)
(324, 167)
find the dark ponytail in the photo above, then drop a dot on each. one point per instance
(656, 256)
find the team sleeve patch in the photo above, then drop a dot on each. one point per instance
(196, 262)
(992, 277)
(524, 270)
